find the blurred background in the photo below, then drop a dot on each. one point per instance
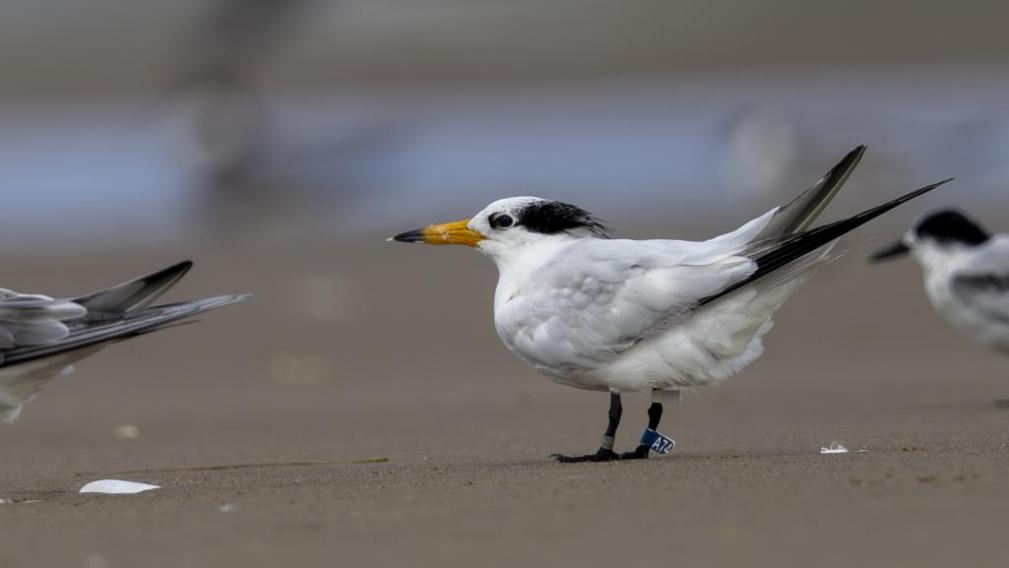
(279, 142)
(126, 124)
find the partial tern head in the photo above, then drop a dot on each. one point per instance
(511, 223)
(937, 234)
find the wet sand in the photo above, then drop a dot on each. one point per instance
(252, 422)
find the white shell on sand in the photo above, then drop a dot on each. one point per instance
(117, 486)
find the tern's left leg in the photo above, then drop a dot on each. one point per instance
(654, 417)
(605, 452)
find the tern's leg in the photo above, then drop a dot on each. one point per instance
(605, 452)
(654, 416)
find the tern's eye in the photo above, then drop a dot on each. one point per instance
(501, 221)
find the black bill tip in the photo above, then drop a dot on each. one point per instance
(415, 236)
(893, 251)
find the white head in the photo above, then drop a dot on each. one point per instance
(512, 224)
(936, 238)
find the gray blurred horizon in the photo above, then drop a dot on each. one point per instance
(104, 47)
(125, 124)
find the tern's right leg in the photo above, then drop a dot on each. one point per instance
(605, 452)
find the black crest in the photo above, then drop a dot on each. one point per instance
(551, 217)
(951, 226)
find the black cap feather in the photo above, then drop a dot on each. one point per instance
(951, 226)
(552, 217)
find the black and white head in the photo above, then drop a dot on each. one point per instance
(512, 223)
(937, 234)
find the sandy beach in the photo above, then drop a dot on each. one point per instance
(392, 428)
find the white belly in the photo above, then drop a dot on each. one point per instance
(705, 347)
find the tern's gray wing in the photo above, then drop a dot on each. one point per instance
(32, 319)
(129, 325)
(981, 282)
(797, 215)
(115, 313)
(135, 294)
(986, 294)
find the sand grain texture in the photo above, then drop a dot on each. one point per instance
(263, 407)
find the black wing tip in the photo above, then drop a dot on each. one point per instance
(176, 271)
(870, 214)
(934, 185)
(181, 267)
(107, 300)
(856, 153)
(848, 162)
(799, 244)
(918, 192)
(839, 228)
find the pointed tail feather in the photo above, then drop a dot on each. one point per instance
(133, 295)
(774, 254)
(798, 214)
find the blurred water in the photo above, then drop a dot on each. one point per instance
(129, 170)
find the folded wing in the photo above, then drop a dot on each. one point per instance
(982, 283)
(135, 294)
(32, 319)
(599, 297)
(130, 325)
(34, 327)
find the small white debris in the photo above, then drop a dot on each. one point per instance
(126, 432)
(834, 448)
(5, 501)
(228, 508)
(117, 487)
